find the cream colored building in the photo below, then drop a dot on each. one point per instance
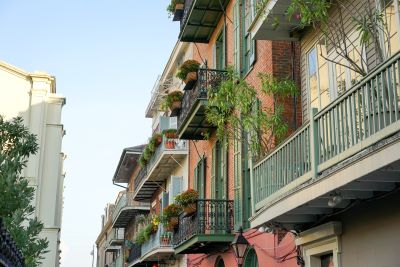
(33, 97)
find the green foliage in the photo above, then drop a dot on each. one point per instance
(172, 210)
(171, 7)
(171, 98)
(186, 67)
(309, 12)
(140, 238)
(234, 109)
(187, 197)
(16, 145)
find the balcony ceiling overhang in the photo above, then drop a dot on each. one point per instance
(206, 244)
(157, 254)
(127, 163)
(274, 12)
(196, 125)
(203, 18)
(112, 248)
(127, 214)
(373, 172)
(159, 173)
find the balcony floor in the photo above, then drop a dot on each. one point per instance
(127, 214)
(158, 254)
(205, 243)
(160, 172)
(371, 173)
(196, 124)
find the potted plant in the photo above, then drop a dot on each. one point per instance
(171, 215)
(174, 6)
(140, 237)
(170, 133)
(172, 101)
(188, 200)
(188, 71)
(142, 161)
(170, 144)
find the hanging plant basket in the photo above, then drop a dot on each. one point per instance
(175, 105)
(191, 76)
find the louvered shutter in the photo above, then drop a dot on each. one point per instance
(173, 122)
(165, 199)
(164, 123)
(176, 187)
(237, 181)
(213, 171)
(202, 178)
(224, 171)
(236, 37)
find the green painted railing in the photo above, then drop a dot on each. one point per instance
(287, 162)
(362, 116)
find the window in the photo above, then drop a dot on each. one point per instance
(199, 177)
(219, 172)
(242, 195)
(318, 76)
(391, 41)
(219, 51)
(219, 262)
(248, 43)
(244, 46)
(321, 245)
(251, 259)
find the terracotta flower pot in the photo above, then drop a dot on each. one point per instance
(190, 208)
(176, 105)
(173, 221)
(191, 76)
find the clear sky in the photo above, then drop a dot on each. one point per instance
(106, 56)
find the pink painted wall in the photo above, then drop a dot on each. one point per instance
(269, 252)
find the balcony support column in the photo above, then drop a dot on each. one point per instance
(314, 143)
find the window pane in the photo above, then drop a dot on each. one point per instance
(341, 77)
(391, 41)
(327, 260)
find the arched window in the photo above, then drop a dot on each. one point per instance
(251, 259)
(219, 262)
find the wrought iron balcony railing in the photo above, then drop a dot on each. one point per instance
(207, 79)
(10, 255)
(116, 236)
(126, 201)
(167, 146)
(212, 217)
(161, 239)
(135, 254)
(140, 177)
(365, 114)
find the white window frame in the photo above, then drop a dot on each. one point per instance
(319, 241)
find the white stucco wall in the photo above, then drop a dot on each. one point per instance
(33, 97)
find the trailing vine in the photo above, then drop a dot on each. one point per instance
(234, 109)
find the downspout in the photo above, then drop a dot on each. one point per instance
(120, 185)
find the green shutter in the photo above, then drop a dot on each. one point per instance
(224, 171)
(236, 37)
(246, 190)
(176, 187)
(202, 167)
(237, 162)
(195, 179)
(213, 171)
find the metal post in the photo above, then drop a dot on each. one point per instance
(314, 142)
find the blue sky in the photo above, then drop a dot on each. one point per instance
(106, 55)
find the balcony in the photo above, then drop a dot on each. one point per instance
(208, 230)
(126, 209)
(200, 18)
(283, 29)
(351, 148)
(158, 247)
(116, 237)
(192, 123)
(160, 166)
